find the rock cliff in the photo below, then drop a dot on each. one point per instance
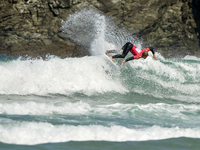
(32, 27)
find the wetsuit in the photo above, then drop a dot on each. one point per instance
(137, 53)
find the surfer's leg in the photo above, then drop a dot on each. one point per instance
(111, 51)
(126, 48)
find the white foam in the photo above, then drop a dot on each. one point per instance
(34, 108)
(30, 133)
(86, 75)
(189, 57)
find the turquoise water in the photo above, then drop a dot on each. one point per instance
(82, 103)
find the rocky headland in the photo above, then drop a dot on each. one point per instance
(32, 27)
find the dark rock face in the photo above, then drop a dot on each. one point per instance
(175, 32)
(32, 27)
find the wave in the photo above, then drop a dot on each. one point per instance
(37, 133)
(81, 113)
(165, 78)
(94, 75)
(86, 75)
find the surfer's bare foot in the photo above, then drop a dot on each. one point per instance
(111, 58)
(106, 52)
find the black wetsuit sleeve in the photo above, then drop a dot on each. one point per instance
(151, 49)
(130, 58)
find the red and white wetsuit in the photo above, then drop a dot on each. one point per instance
(137, 53)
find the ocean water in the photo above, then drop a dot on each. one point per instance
(84, 103)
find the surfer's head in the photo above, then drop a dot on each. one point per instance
(145, 55)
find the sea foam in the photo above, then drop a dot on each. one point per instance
(30, 133)
(86, 75)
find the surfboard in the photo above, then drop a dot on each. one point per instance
(112, 63)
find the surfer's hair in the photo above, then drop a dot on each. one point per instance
(145, 54)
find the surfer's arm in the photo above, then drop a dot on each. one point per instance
(154, 56)
(128, 59)
(151, 49)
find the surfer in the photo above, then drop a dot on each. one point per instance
(137, 53)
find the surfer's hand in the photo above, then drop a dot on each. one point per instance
(123, 62)
(154, 56)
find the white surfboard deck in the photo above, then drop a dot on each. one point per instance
(112, 63)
